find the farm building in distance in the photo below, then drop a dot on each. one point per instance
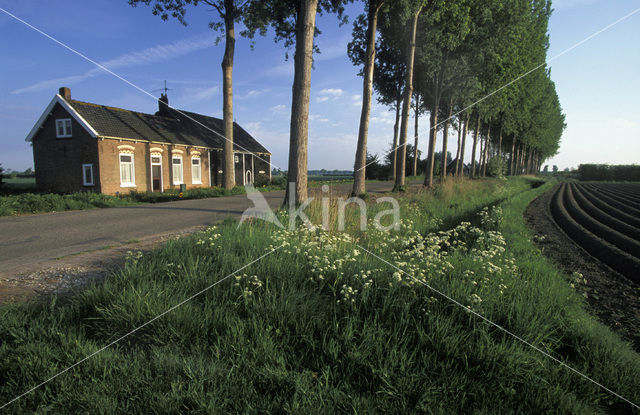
(79, 146)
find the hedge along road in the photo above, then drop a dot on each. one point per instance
(28, 240)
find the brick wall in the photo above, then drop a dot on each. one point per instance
(58, 161)
(109, 150)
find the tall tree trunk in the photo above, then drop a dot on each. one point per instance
(228, 176)
(532, 161)
(521, 161)
(464, 143)
(513, 148)
(487, 144)
(483, 143)
(359, 166)
(394, 148)
(500, 148)
(445, 139)
(485, 156)
(415, 135)
(473, 148)
(455, 174)
(408, 90)
(299, 129)
(433, 129)
(500, 142)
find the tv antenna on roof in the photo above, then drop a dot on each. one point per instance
(165, 89)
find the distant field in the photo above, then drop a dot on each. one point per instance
(19, 182)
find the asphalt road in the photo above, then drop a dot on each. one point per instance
(44, 237)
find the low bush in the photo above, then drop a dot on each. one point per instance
(496, 167)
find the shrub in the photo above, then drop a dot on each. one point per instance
(496, 167)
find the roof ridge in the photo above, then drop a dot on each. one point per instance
(143, 113)
(73, 101)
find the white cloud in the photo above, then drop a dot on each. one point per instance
(382, 120)
(319, 118)
(199, 94)
(252, 94)
(336, 92)
(284, 69)
(253, 128)
(382, 117)
(327, 94)
(280, 108)
(155, 54)
(356, 97)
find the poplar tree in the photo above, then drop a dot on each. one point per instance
(229, 12)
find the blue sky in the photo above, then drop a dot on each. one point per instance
(598, 82)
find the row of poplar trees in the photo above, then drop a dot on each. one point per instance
(466, 62)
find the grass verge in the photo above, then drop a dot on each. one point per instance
(319, 326)
(25, 203)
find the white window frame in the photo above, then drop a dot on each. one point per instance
(173, 172)
(194, 168)
(86, 182)
(65, 123)
(133, 169)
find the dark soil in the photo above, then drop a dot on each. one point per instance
(614, 299)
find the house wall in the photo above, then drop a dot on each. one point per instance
(58, 161)
(262, 167)
(255, 168)
(110, 149)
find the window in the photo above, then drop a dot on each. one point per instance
(237, 159)
(177, 169)
(87, 174)
(196, 171)
(63, 128)
(127, 173)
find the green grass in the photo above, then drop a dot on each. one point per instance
(288, 335)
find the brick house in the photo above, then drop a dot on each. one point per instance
(79, 146)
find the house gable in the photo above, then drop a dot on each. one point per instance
(64, 104)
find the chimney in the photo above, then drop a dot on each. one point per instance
(163, 106)
(65, 93)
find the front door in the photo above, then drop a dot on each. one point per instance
(156, 174)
